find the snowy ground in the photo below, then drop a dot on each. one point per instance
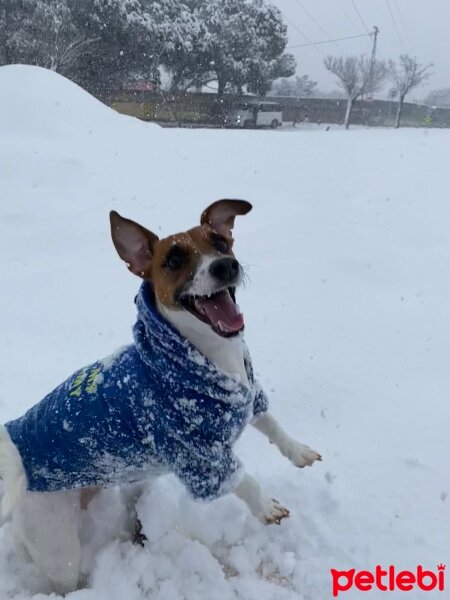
(347, 317)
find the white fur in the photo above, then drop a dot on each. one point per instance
(226, 353)
(12, 473)
(47, 525)
(298, 454)
(203, 283)
(268, 510)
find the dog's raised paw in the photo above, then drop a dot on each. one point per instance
(273, 512)
(299, 454)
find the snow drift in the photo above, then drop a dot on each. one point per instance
(346, 317)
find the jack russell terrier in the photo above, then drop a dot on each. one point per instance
(176, 400)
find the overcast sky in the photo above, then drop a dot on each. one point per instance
(419, 27)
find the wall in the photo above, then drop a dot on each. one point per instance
(207, 109)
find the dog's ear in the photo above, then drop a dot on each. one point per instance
(221, 214)
(133, 243)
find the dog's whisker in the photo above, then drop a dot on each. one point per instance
(246, 279)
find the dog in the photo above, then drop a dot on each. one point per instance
(176, 400)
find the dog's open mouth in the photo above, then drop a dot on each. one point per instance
(219, 310)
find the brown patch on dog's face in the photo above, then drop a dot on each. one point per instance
(177, 258)
(195, 270)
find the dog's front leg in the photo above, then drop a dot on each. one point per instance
(299, 454)
(46, 523)
(261, 506)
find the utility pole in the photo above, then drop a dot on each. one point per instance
(375, 33)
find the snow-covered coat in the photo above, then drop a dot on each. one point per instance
(155, 406)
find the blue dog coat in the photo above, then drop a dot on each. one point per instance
(155, 406)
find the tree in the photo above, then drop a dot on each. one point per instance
(179, 41)
(132, 36)
(12, 15)
(357, 76)
(300, 87)
(406, 75)
(111, 23)
(128, 37)
(262, 74)
(439, 98)
(235, 42)
(245, 42)
(57, 42)
(41, 33)
(187, 57)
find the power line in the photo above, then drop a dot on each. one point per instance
(359, 15)
(304, 36)
(402, 23)
(395, 24)
(313, 19)
(350, 37)
(344, 10)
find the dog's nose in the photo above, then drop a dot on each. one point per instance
(224, 269)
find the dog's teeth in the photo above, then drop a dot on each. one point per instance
(198, 307)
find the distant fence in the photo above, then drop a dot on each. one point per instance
(208, 109)
(373, 113)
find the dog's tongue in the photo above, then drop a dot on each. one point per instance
(221, 312)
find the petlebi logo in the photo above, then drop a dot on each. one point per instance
(388, 580)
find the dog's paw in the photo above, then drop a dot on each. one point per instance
(273, 512)
(299, 454)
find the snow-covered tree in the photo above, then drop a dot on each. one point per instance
(41, 32)
(356, 76)
(12, 12)
(262, 73)
(102, 43)
(186, 56)
(17, 31)
(406, 75)
(267, 60)
(176, 38)
(57, 42)
(440, 98)
(125, 39)
(298, 87)
(137, 38)
(240, 42)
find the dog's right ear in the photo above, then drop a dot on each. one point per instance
(221, 214)
(133, 243)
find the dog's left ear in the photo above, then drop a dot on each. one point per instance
(221, 214)
(134, 243)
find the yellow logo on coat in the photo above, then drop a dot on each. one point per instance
(92, 380)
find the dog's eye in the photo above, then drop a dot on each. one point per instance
(221, 245)
(174, 261)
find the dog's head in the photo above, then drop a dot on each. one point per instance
(195, 273)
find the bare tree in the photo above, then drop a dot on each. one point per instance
(357, 76)
(406, 75)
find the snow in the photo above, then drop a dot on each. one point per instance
(346, 312)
